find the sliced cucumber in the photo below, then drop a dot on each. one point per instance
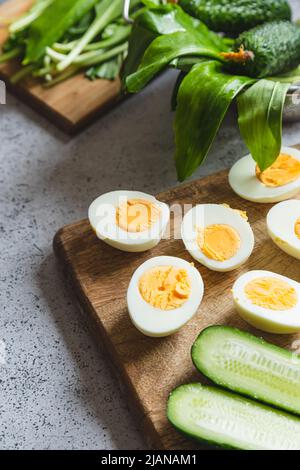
(243, 363)
(216, 416)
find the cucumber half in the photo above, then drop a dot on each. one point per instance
(248, 365)
(227, 420)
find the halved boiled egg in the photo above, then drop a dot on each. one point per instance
(268, 301)
(217, 236)
(279, 182)
(283, 222)
(129, 220)
(163, 295)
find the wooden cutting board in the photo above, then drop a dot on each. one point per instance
(70, 105)
(148, 367)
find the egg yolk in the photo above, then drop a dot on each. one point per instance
(165, 287)
(297, 228)
(219, 242)
(137, 215)
(284, 170)
(271, 293)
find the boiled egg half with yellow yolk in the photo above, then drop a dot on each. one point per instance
(283, 222)
(129, 220)
(277, 183)
(268, 301)
(163, 295)
(217, 236)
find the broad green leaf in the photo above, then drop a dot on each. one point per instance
(184, 65)
(165, 19)
(202, 102)
(55, 20)
(162, 51)
(148, 25)
(170, 18)
(260, 120)
(139, 41)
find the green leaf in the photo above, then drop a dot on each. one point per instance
(139, 41)
(164, 20)
(25, 20)
(148, 25)
(260, 120)
(202, 102)
(55, 20)
(170, 18)
(162, 51)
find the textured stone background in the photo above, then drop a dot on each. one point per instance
(56, 388)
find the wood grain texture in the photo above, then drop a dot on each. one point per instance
(149, 367)
(70, 105)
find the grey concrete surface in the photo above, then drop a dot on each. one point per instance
(57, 390)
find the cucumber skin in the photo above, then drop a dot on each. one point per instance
(275, 46)
(196, 438)
(254, 339)
(236, 16)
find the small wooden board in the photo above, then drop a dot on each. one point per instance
(70, 105)
(150, 367)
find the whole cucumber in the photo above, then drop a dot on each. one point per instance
(266, 50)
(235, 16)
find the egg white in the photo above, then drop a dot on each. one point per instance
(243, 181)
(210, 214)
(281, 221)
(152, 321)
(271, 321)
(102, 217)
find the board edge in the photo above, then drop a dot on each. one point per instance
(149, 433)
